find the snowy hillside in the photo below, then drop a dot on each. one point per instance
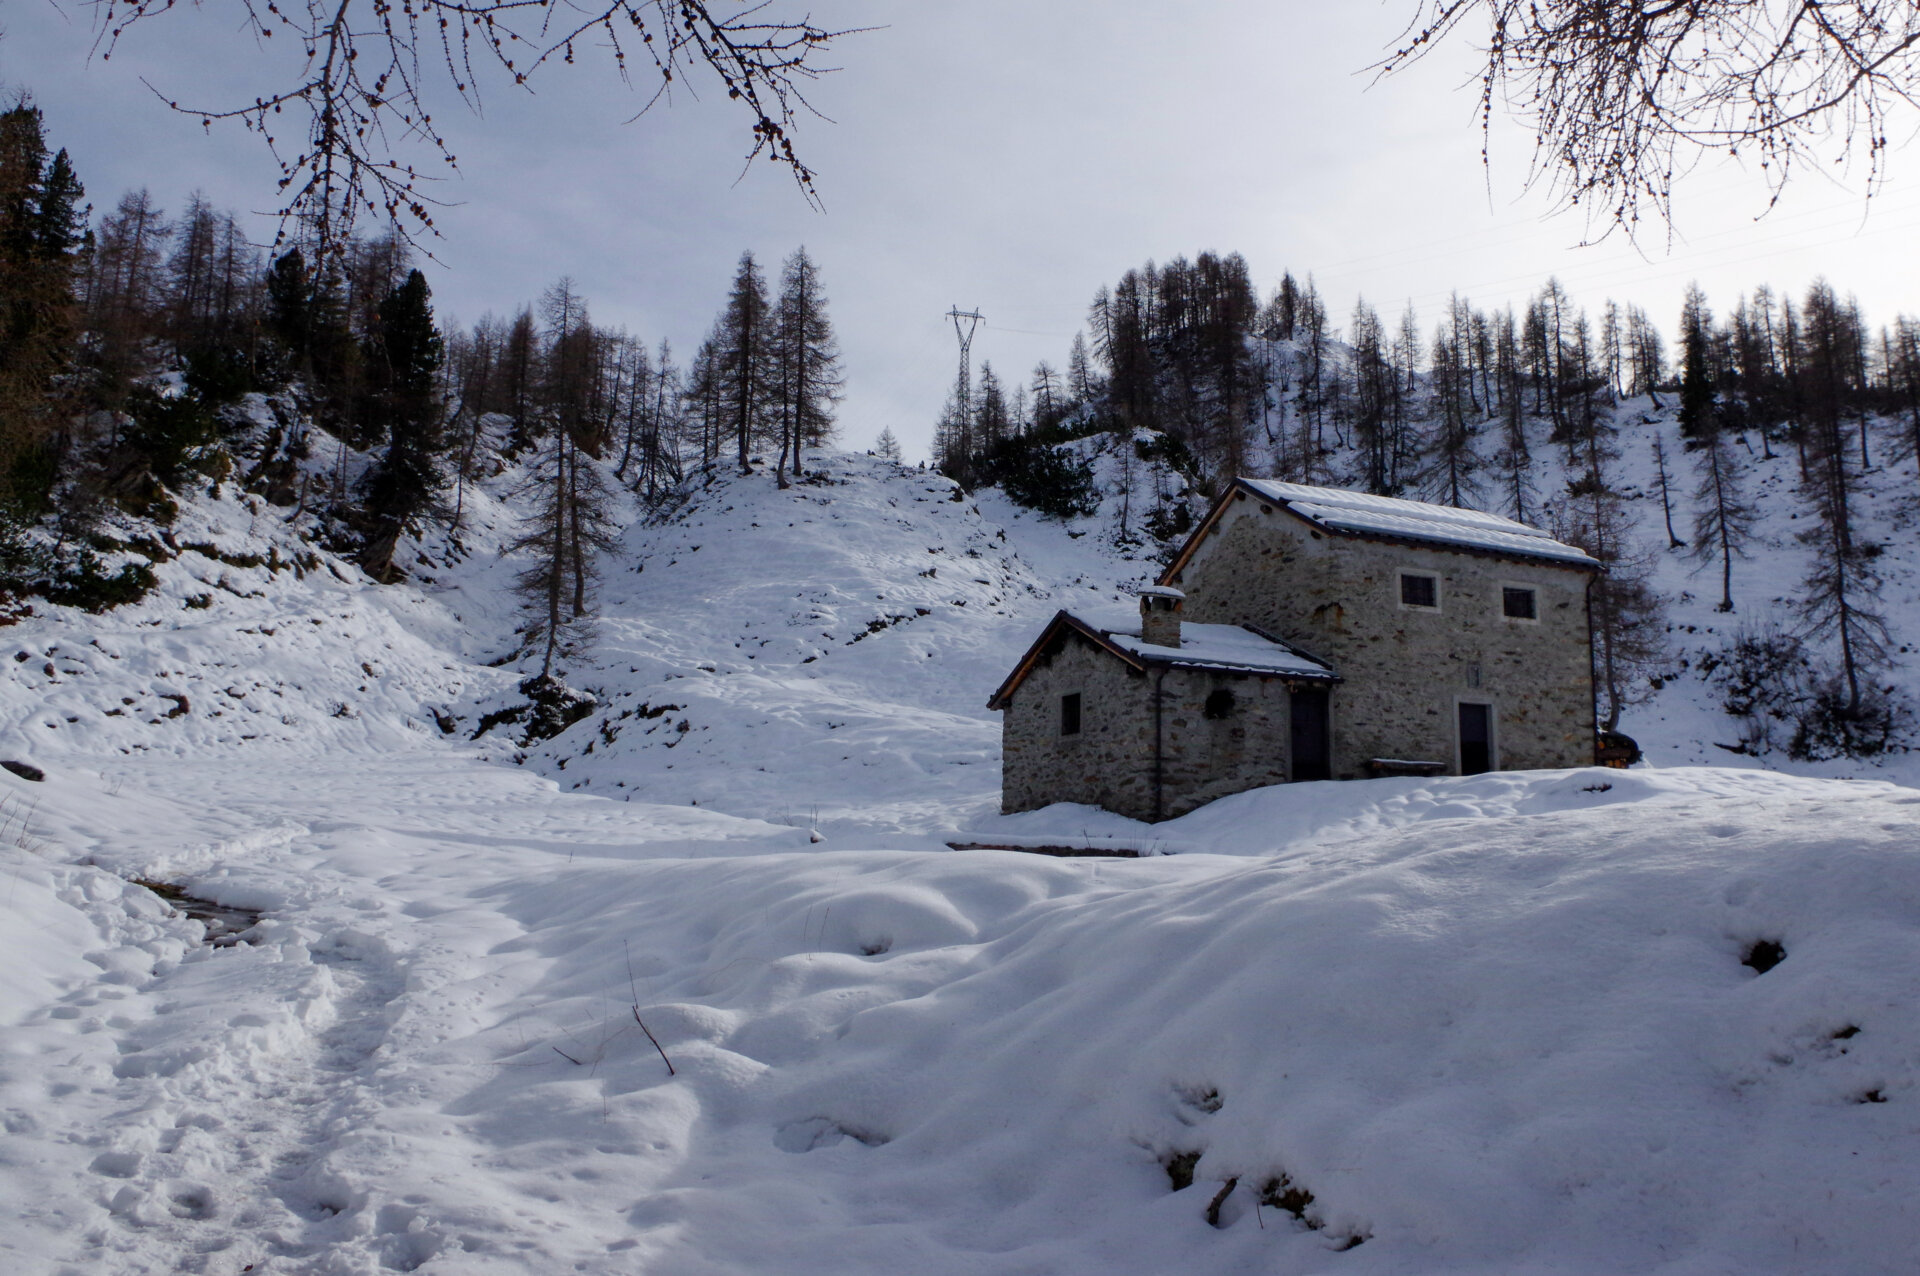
(1684, 721)
(1583, 1022)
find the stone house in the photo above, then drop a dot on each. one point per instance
(1308, 633)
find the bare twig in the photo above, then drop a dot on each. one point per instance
(650, 1037)
(634, 987)
(569, 1058)
(1621, 96)
(362, 93)
(1219, 1199)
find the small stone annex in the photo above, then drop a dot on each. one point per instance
(1310, 633)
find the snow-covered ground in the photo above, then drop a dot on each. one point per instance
(1500, 1024)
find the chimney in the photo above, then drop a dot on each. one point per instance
(1160, 616)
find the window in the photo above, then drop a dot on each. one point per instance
(1070, 714)
(1419, 589)
(1219, 704)
(1519, 603)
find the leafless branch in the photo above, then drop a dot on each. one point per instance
(1624, 94)
(370, 69)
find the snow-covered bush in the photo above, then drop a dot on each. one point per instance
(1830, 725)
(1761, 675)
(1043, 477)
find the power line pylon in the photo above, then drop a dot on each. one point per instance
(973, 320)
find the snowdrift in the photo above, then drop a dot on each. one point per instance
(1586, 1022)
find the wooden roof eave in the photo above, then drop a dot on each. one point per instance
(1061, 619)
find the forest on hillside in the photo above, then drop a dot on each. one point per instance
(144, 351)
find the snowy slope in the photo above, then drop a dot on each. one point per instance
(823, 655)
(1684, 721)
(1498, 1024)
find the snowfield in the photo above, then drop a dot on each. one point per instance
(699, 987)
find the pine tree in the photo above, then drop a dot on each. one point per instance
(571, 523)
(124, 300)
(1697, 389)
(807, 357)
(404, 357)
(1663, 475)
(40, 230)
(1515, 456)
(743, 346)
(1453, 473)
(887, 447)
(1723, 520)
(991, 423)
(1374, 386)
(520, 378)
(1902, 359)
(1841, 584)
(1080, 383)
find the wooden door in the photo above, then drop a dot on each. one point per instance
(1312, 734)
(1476, 738)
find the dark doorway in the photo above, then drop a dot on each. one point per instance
(1476, 738)
(1312, 734)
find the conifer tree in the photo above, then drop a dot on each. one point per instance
(1453, 473)
(1902, 357)
(1723, 519)
(1841, 585)
(519, 379)
(1697, 389)
(123, 291)
(807, 379)
(743, 348)
(1663, 475)
(1045, 390)
(887, 446)
(570, 525)
(991, 422)
(404, 360)
(1514, 458)
(1080, 383)
(41, 224)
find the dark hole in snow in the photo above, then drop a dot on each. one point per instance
(1203, 1098)
(878, 946)
(225, 924)
(1848, 1032)
(25, 770)
(1179, 1168)
(1871, 1096)
(1763, 955)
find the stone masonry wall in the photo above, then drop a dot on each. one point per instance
(1110, 763)
(1406, 671)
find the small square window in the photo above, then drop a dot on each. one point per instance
(1070, 714)
(1419, 590)
(1518, 603)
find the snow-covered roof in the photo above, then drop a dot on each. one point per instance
(1358, 512)
(1228, 647)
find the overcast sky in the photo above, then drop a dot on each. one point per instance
(1010, 155)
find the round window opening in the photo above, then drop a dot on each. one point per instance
(1219, 704)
